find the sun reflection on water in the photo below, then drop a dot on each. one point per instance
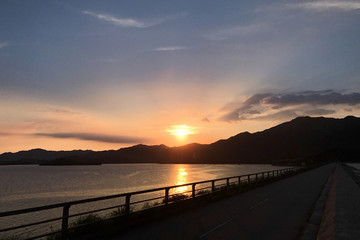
(181, 178)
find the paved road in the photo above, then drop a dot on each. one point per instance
(275, 211)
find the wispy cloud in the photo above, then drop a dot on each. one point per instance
(239, 31)
(205, 119)
(105, 60)
(124, 22)
(131, 22)
(170, 48)
(327, 5)
(94, 137)
(288, 104)
(59, 110)
(4, 44)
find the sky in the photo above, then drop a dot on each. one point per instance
(104, 74)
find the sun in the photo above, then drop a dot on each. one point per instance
(182, 131)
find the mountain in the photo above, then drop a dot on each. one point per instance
(38, 155)
(303, 139)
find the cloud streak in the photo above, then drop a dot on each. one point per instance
(288, 104)
(4, 44)
(130, 22)
(171, 48)
(239, 31)
(124, 22)
(327, 5)
(94, 137)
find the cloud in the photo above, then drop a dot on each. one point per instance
(130, 22)
(4, 44)
(327, 5)
(105, 60)
(313, 97)
(287, 114)
(205, 119)
(94, 137)
(239, 31)
(260, 106)
(319, 112)
(124, 22)
(60, 110)
(172, 48)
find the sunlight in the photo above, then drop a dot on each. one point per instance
(182, 130)
(181, 179)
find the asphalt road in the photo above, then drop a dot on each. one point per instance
(274, 211)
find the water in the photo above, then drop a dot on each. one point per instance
(31, 186)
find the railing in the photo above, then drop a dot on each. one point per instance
(126, 208)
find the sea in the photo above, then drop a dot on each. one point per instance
(25, 186)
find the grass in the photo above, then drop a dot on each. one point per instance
(86, 220)
(77, 224)
(202, 192)
(176, 198)
(119, 211)
(150, 205)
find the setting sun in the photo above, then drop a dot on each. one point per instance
(182, 130)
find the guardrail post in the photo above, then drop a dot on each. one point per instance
(228, 182)
(263, 176)
(256, 178)
(248, 177)
(239, 180)
(65, 222)
(193, 190)
(127, 203)
(166, 199)
(213, 185)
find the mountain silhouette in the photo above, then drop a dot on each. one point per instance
(303, 139)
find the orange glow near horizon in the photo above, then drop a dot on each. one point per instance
(182, 131)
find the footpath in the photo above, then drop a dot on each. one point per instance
(347, 218)
(337, 212)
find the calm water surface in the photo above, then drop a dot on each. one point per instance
(28, 186)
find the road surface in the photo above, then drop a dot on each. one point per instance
(275, 211)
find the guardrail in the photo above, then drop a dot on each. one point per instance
(215, 185)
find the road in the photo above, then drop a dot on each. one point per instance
(275, 211)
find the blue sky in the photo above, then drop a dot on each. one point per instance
(130, 71)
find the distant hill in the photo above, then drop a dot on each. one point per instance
(36, 156)
(304, 139)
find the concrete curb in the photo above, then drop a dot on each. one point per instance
(311, 229)
(327, 225)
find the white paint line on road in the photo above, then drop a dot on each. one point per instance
(258, 204)
(230, 219)
(215, 228)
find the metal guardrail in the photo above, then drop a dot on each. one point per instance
(126, 207)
